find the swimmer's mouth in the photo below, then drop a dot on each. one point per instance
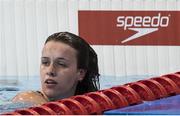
(50, 81)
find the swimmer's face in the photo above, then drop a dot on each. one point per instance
(58, 69)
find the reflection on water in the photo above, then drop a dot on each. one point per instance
(11, 82)
(110, 81)
(9, 106)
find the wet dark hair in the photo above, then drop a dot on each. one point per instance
(86, 59)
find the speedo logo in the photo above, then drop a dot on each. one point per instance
(143, 25)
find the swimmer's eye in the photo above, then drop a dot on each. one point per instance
(46, 63)
(61, 64)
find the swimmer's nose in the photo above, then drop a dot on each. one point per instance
(51, 74)
(51, 71)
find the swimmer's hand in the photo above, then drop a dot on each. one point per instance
(30, 97)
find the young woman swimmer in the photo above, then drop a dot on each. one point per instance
(69, 66)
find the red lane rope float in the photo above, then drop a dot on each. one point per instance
(168, 84)
(177, 73)
(117, 98)
(174, 77)
(90, 104)
(144, 91)
(76, 107)
(43, 110)
(12, 113)
(158, 90)
(59, 108)
(130, 94)
(27, 112)
(104, 102)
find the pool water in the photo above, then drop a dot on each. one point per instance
(10, 87)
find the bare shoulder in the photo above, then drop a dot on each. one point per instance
(30, 96)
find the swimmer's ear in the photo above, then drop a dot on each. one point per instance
(81, 74)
